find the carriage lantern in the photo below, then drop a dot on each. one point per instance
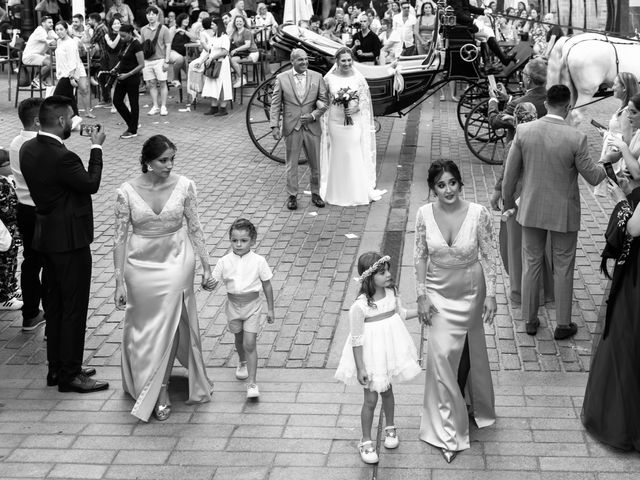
(449, 17)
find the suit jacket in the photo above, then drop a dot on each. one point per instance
(61, 189)
(548, 154)
(537, 96)
(286, 100)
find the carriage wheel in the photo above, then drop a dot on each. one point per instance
(257, 119)
(474, 94)
(484, 142)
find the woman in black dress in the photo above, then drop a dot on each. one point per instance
(610, 409)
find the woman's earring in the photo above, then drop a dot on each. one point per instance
(149, 168)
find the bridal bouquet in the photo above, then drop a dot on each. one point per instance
(343, 97)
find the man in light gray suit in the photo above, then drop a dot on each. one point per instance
(548, 154)
(301, 96)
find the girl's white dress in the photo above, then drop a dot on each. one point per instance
(388, 352)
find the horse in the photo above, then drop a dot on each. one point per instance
(588, 63)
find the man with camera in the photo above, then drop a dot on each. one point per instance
(61, 190)
(366, 44)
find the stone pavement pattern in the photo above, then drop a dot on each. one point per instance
(305, 424)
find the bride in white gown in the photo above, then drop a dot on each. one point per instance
(348, 152)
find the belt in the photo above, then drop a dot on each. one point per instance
(455, 266)
(380, 316)
(142, 233)
(243, 297)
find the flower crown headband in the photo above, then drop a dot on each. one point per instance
(369, 271)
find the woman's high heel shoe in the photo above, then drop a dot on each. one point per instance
(448, 455)
(162, 412)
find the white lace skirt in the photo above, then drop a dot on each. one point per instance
(388, 352)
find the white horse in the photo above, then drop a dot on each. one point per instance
(589, 61)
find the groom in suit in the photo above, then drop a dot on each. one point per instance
(61, 189)
(301, 96)
(549, 154)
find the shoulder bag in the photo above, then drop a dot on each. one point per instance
(149, 46)
(213, 70)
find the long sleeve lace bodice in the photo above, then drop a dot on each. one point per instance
(474, 242)
(132, 210)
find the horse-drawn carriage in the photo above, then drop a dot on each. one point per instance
(398, 88)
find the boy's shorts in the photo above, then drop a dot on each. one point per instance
(243, 312)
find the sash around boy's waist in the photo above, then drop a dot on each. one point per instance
(380, 316)
(243, 297)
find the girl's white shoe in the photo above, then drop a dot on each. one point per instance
(391, 437)
(368, 452)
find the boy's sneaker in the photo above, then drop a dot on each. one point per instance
(241, 371)
(252, 390)
(11, 304)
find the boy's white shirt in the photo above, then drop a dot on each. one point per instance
(242, 274)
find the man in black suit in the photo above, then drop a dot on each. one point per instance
(61, 189)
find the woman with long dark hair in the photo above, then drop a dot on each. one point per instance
(455, 256)
(157, 235)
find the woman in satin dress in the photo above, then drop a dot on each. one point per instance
(455, 272)
(154, 269)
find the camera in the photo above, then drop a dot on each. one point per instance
(88, 130)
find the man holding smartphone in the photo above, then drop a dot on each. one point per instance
(61, 190)
(547, 155)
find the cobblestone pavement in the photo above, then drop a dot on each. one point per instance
(305, 424)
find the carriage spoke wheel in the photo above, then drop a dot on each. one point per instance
(474, 94)
(484, 142)
(258, 123)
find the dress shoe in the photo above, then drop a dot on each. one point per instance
(317, 201)
(52, 377)
(82, 384)
(212, 111)
(292, 203)
(448, 455)
(532, 327)
(565, 331)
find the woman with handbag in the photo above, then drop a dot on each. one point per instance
(217, 70)
(128, 70)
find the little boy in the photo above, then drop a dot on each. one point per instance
(243, 273)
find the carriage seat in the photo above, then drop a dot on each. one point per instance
(312, 41)
(405, 65)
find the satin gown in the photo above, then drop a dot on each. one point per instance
(458, 279)
(348, 152)
(159, 275)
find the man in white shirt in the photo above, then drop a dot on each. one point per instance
(35, 51)
(404, 23)
(32, 263)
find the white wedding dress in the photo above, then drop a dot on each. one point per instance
(348, 152)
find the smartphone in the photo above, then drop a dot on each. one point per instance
(492, 82)
(87, 130)
(601, 128)
(610, 173)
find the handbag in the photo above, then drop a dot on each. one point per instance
(213, 70)
(5, 237)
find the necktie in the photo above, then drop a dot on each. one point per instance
(300, 85)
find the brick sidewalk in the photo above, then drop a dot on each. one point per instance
(305, 425)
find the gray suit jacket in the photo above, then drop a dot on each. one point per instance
(285, 100)
(548, 154)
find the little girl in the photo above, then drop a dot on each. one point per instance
(379, 350)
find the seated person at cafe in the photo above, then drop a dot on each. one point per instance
(366, 44)
(36, 50)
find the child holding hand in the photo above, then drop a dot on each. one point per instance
(380, 350)
(244, 272)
